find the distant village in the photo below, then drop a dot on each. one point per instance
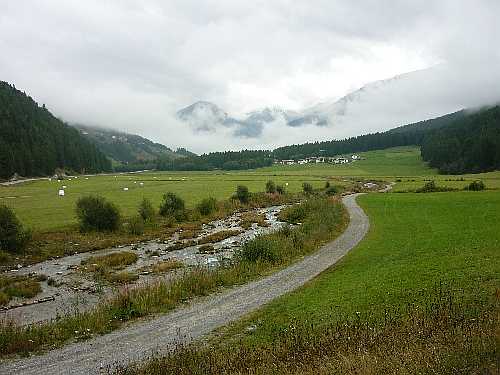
(320, 159)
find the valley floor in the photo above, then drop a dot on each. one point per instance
(140, 340)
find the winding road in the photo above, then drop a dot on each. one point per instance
(141, 339)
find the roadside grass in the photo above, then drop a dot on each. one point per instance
(322, 225)
(420, 294)
(19, 286)
(436, 337)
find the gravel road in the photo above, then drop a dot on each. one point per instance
(141, 339)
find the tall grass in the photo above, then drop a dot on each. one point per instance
(326, 219)
(445, 334)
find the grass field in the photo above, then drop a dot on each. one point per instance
(417, 244)
(397, 161)
(39, 207)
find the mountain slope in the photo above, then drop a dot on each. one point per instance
(34, 143)
(126, 148)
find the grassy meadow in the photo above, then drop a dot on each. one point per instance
(420, 294)
(40, 208)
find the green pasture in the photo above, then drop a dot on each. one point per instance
(397, 161)
(416, 242)
(38, 205)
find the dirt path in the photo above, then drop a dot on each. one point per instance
(140, 340)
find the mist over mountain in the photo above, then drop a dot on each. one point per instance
(377, 106)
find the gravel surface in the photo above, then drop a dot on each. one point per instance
(142, 339)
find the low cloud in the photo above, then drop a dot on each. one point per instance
(132, 66)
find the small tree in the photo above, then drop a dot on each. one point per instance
(207, 206)
(270, 187)
(242, 194)
(146, 210)
(307, 187)
(172, 205)
(96, 213)
(12, 235)
(327, 184)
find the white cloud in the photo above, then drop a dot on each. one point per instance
(130, 65)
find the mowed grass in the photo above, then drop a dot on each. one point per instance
(415, 242)
(40, 208)
(396, 161)
(490, 179)
(418, 295)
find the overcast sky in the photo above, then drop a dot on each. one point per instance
(131, 65)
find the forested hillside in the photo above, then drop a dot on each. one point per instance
(229, 160)
(459, 142)
(128, 151)
(412, 134)
(34, 143)
(468, 145)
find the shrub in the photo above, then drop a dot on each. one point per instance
(136, 225)
(96, 213)
(332, 190)
(293, 215)
(242, 194)
(146, 210)
(207, 206)
(270, 187)
(260, 248)
(12, 235)
(431, 187)
(475, 186)
(280, 189)
(327, 185)
(172, 205)
(307, 187)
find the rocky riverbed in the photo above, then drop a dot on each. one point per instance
(70, 287)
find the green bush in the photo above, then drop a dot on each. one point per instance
(333, 190)
(431, 187)
(242, 194)
(96, 213)
(270, 187)
(476, 186)
(146, 210)
(280, 189)
(307, 187)
(13, 237)
(136, 225)
(260, 248)
(207, 206)
(294, 214)
(327, 185)
(173, 205)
